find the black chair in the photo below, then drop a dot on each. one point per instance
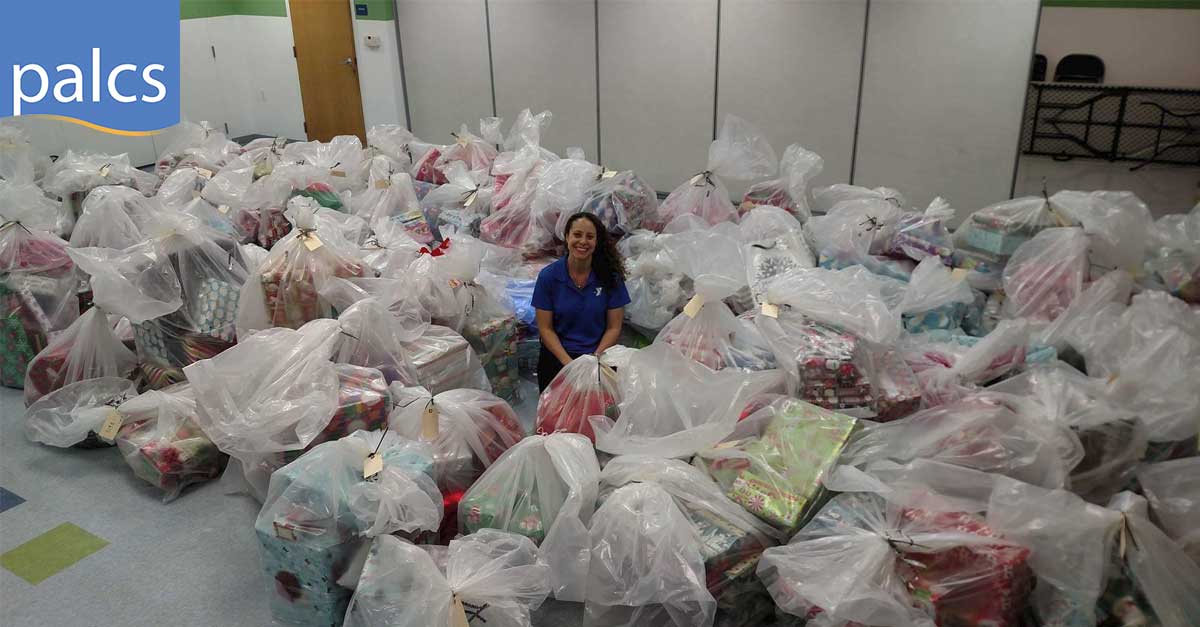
(1038, 73)
(1079, 68)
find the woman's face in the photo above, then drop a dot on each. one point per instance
(581, 239)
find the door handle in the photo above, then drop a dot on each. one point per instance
(349, 61)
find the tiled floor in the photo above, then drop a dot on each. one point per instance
(84, 542)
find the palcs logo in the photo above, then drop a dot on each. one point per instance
(112, 66)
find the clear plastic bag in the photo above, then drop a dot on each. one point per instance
(285, 289)
(468, 429)
(512, 223)
(28, 204)
(789, 192)
(341, 157)
(77, 173)
(774, 243)
(1114, 287)
(672, 406)
(711, 334)
(162, 444)
(826, 198)
(935, 298)
(855, 229)
(396, 142)
(491, 577)
(74, 413)
(445, 361)
(922, 235)
(275, 391)
(646, 566)
(196, 145)
(372, 337)
(657, 290)
(621, 200)
(390, 250)
(459, 206)
(985, 431)
(852, 299)
(544, 488)
(1046, 274)
(1173, 489)
(114, 217)
(733, 538)
(949, 365)
(473, 151)
(17, 155)
(1116, 223)
(583, 388)
(87, 349)
(560, 193)
(739, 152)
(320, 513)
(775, 461)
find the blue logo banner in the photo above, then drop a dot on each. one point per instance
(112, 65)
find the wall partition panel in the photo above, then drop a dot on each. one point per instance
(446, 71)
(544, 57)
(657, 68)
(942, 99)
(791, 67)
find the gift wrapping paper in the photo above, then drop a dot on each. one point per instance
(918, 237)
(948, 316)
(495, 341)
(772, 193)
(440, 367)
(289, 285)
(322, 193)
(899, 392)
(621, 202)
(172, 461)
(995, 242)
(486, 509)
(24, 330)
(425, 170)
(832, 365)
(565, 408)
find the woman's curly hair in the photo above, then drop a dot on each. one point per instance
(606, 261)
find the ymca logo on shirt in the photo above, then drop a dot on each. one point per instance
(598, 290)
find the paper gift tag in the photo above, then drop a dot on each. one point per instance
(770, 310)
(959, 273)
(338, 173)
(608, 174)
(373, 465)
(285, 532)
(312, 242)
(205, 172)
(223, 208)
(383, 184)
(696, 179)
(458, 614)
(112, 424)
(104, 169)
(471, 198)
(429, 422)
(693, 306)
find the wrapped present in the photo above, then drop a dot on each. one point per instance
(320, 511)
(621, 201)
(529, 351)
(214, 308)
(323, 193)
(422, 188)
(994, 242)
(457, 222)
(920, 235)
(790, 190)
(832, 366)
(899, 269)
(445, 361)
(583, 388)
(774, 462)
(163, 446)
(948, 316)
(426, 170)
(87, 349)
(495, 342)
(24, 331)
(415, 225)
(897, 391)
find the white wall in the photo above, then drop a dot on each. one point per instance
(1142, 47)
(943, 96)
(379, 79)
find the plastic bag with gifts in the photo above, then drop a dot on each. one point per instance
(395, 142)
(75, 413)
(17, 155)
(26, 203)
(1173, 489)
(287, 289)
(87, 349)
(114, 217)
(852, 299)
(731, 539)
(671, 406)
(544, 488)
(488, 577)
(866, 560)
(657, 290)
(621, 200)
(560, 193)
(775, 461)
(1116, 223)
(1064, 331)
(1046, 274)
(740, 152)
(391, 198)
(935, 298)
(789, 192)
(446, 361)
(390, 250)
(647, 568)
(459, 206)
(583, 388)
(320, 512)
(77, 173)
(314, 182)
(707, 331)
(986, 431)
(275, 391)
(473, 151)
(921, 235)
(468, 429)
(196, 145)
(341, 157)
(826, 198)
(512, 223)
(855, 229)
(374, 338)
(1113, 437)
(1001, 228)
(162, 444)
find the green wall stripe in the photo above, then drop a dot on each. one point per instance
(191, 9)
(1124, 4)
(376, 10)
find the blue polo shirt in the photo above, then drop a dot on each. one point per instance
(580, 315)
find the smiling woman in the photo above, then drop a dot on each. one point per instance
(580, 298)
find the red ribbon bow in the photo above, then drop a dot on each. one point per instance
(436, 251)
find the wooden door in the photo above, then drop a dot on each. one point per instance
(328, 69)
